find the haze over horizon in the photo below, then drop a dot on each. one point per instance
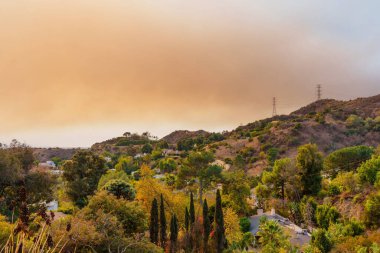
(73, 73)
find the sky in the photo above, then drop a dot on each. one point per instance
(76, 72)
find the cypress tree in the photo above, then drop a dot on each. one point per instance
(173, 233)
(162, 224)
(153, 226)
(187, 222)
(206, 226)
(192, 210)
(220, 238)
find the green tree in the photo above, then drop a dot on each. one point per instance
(192, 210)
(187, 220)
(121, 189)
(283, 179)
(198, 163)
(346, 159)
(82, 174)
(220, 237)
(321, 240)
(309, 164)
(147, 148)
(173, 233)
(129, 213)
(206, 226)
(126, 164)
(163, 236)
(262, 194)
(325, 215)
(167, 165)
(369, 169)
(272, 236)
(372, 210)
(153, 226)
(113, 175)
(237, 186)
(245, 224)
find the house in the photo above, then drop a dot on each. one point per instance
(47, 164)
(171, 152)
(298, 236)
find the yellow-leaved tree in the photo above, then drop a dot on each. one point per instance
(148, 188)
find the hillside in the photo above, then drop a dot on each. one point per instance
(329, 123)
(46, 154)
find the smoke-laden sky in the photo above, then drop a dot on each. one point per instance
(73, 72)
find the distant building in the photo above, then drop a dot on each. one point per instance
(52, 206)
(47, 164)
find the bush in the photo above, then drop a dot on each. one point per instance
(245, 224)
(320, 240)
(325, 215)
(368, 170)
(372, 210)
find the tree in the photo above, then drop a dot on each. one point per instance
(309, 162)
(126, 164)
(346, 159)
(153, 226)
(187, 220)
(237, 186)
(129, 213)
(272, 236)
(325, 215)
(82, 174)
(283, 179)
(262, 194)
(206, 226)
(231, 226)
(192, 210)
(245, 224)
(320, 240)
(120, 189)
(163, 237)
(198, 163)
(369, 169)
(112, 175)
(147, 148)
(308, 207)
(372, 210)
(173, 233)
(167, 165)
(220, 238)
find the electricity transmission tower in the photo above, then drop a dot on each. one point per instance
(319, 92)
(274, 113)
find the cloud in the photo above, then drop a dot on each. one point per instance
(64, 63)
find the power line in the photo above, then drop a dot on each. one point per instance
(274, 112)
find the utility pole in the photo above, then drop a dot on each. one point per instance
(274, 113)
(319, 92)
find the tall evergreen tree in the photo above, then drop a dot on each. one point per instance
(163, 236)
(173, 233)
(153, 226)
(220, 238)
(206, 226)
(187, 221)
(192, 210)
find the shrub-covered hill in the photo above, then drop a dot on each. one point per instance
(330, 124)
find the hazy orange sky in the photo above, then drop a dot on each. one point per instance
(76, 72)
